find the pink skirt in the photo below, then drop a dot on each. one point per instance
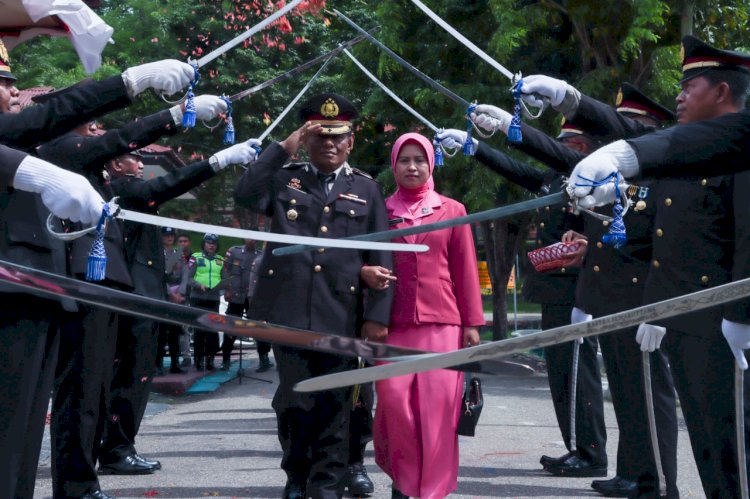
(417, 415)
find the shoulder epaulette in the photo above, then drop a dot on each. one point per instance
(364, 174)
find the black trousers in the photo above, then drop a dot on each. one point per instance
(169, 334)
(28, 352)
(360, 427)
(591, 433)
(81, 397)
(205, 343)
(313, 428)
(134, 368)
(623, 362)
(238, 309)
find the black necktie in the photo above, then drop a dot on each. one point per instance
(326, 179)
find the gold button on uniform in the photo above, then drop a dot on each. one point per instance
(317, 268)
(668, 202)
(635, 280)
(599, 244)
(656, 264)
(659, 232)
(150, 262)
(596, 268)
(704, 181)
(321, 250)
(541, 225)
(539, 241)
(324, 229)
(546, 208)
(327, 209)
(605, 223)
(704, 279)
(351, 212)
(562, 270)
(293, 201)
(270, 271)
(352, 289)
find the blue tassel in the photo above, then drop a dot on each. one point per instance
(188, 117)
(229, 130)
(617, 236)
(438, 151)
(514, 130)
(469, 143)
(96, 268)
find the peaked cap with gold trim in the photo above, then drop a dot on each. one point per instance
(569, 129)
(630, 100)
(334, 112)
(5, 63)
(699, 57)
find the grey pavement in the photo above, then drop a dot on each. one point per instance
(224, 444)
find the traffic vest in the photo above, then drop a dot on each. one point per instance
(208, 270)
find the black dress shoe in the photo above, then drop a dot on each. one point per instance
(577, 467)
(97, 494)
(552, 461)
(150, 462)
(176, 369)
(128, 465)
(397, 494)
(294, 491)
(615, 487)
(200, 364)
(210, 364)
(357, 481)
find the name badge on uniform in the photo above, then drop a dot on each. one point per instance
(353, 198)
(395, 221)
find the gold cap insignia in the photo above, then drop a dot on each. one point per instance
(4, 53)
(682, 52)
(562, 121)
(329, 109)
(618, 99)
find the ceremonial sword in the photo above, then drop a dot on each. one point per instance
(628, 318)
(500, 212)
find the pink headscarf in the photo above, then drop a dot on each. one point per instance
(419, 201)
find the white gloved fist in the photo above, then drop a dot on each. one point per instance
(738, 338)
(207, 107)
(614, 157)
(649, 337)
(167, 77)
(451, 138)
(238, 154)
(604, 194)
(66, 194)
(576, 317)
(550, 88)
(491, 118)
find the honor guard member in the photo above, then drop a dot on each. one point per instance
(701, 240)
(205, 282)
(317, 290)
(555, 291)
(241, 264)
(169, 334)
(26, 241)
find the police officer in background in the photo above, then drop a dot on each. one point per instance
(317, 290)
(169, 334)
(241, 264)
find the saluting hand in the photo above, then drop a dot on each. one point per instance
(298, 137)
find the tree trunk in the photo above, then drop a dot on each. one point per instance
(502, 238)
(686, 18)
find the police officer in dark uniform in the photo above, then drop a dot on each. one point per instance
(32, 327)
(555, 291)
(169, 334)
(701, 240)
(241, 265)
(317, 290)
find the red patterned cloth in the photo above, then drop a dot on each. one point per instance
(552, 257)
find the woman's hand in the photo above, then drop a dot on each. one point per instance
(376, 277)
(471, 336)
(374, 331)
(573, 236)
(575, 259)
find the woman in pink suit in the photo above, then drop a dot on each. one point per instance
(437, 306)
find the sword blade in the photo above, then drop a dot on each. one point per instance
(247, 34)
(318, 242)
(295, 71)
(628, 318)
(502, 211)
(409, 67)
(461, 38)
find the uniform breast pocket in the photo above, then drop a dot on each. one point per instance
(351, 217)
(294, 203)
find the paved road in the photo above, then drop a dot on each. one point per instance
(224, 444)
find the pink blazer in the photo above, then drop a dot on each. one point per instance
(441, 285)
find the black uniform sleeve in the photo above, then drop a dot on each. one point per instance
(77, 152)
(162, 189)
(253, 190)
(378, 302)
(740, 311)
(605, 123)
(526, 176)
(43, 122)
(9, 161)
(549, 151)
(686, 149)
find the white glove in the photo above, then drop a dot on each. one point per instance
(491, 118)
(167, 76)
(452, 138)
(576, 317)
(238, 154)
(552, 89)
(738, 337)
(604, 194)
(617, 156)
(66, 194)
(207, 107)
(649, 337)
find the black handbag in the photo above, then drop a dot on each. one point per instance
(471, 407)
